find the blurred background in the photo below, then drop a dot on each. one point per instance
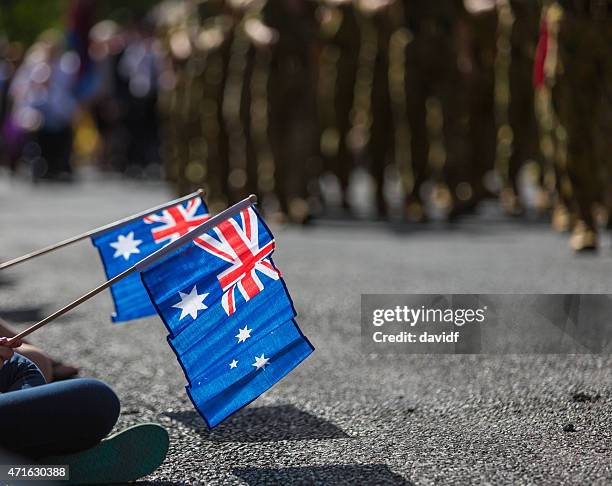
(411, 111)
(406, 146)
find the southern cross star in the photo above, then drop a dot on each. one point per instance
(191, 303)
(243, 334)
(261, 362)
(125, 246)
(233, 364)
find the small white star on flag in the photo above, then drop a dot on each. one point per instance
(243, 334)
(125, 246)
(261, 362)
(191, 303)
(233, 364)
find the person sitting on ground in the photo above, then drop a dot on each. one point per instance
(52, 370)
(65, 423)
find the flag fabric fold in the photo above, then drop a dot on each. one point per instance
(122, 247)
(229, 315)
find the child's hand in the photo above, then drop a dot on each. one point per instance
(6, 349)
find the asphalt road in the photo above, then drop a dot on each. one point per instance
(342, 417)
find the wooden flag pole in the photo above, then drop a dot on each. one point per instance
(145, 262)
(97, 231)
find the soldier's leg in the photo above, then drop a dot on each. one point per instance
(345, 88)
(246, 110)
(457, 168)
(416, 92)
(381, 132)
(521, 118)
(521, 107)
(216, 129)
(302, 147)
(483, 133)
(580, 89)
(552, 136)
(292, 140)
(604, 121)
(278, 133)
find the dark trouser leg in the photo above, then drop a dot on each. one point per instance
(521, 117)
(56, 150)
(58, 418)
(419, 136)
(19, 373)
(381, 136)
(457, 166)
(581, 90)
(344, 98)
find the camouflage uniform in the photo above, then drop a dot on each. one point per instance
(551, 133)
(583, 99)
(477, 65)
(216, 37)
(196, 148)
(521, 108)
(432, 71)
(339, 62)
(382, 140)
(292, 103)
(236, 108)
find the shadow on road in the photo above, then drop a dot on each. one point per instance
(336, 474)
(22, 314)
(487, 218)
(264, 424)
(28, 315)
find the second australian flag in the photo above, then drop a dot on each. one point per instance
(229, 315)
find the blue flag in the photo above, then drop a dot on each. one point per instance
(122, 247)
(229, 315)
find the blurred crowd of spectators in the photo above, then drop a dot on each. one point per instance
(99, 73)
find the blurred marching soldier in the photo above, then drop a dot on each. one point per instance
(339, 62)
(582, 95)
(477, 52)
(552, 132)
(292, 103)
(432, 71)
(172, 19)
(197, 147)
(215, 39)
(521, 108)
(245, 101)
(552, 137)
(383, 16)
(236, 107)
(254, 105)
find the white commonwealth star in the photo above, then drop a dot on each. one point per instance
(261, 361)
(191, 303)
(243, 334)
(125, 246)
(233, 364)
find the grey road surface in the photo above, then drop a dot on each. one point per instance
(343, 417)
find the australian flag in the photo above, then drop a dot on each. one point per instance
(121, 247)
(229, 315)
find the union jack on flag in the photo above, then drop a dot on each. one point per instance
(123, 246)
(176, 221)
(229, 315)
(238, 244)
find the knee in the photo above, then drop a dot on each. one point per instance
(100, 405)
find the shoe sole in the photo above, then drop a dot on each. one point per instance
(126, 456)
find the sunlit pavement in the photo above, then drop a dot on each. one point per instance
(341, 417)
